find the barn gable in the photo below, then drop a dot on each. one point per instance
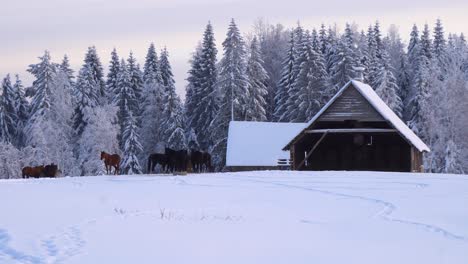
(351, 105)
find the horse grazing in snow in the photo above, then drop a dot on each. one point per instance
(111, 160)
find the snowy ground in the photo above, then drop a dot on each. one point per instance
(251, 217)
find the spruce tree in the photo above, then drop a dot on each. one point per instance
(131, 146)
(112, 75)
(65, 67)
(257, 75)
(136, 80)
(8, 115)
(151, 70)
(386, 85)
(96, 70)
(125, 99)
(21, 109)
(233, 85)
(286, 81)
(202, 103)
(86, 96)
(44, 72)
(173, 115)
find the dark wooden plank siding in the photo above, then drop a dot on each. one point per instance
(351, 105)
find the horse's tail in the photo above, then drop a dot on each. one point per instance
(149, 165)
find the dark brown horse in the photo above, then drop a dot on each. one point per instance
(111, 160)
(35, 172)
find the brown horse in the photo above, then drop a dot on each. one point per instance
(111, 160)
(35, 172)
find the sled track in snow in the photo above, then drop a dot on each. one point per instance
(385, 213)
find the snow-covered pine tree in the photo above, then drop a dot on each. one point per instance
(286, 81)
(151, 70)
(203, 102)
(175, 130)
(232, 85)
(21, 108)
(192, 91)
(439, 43)
(136, 80)
(257, 76)
(48, 130)
(343, 64)
(173, 125)
(314, 38)
(44, 72)
(151, 105)
(273, 41)
(310, 84)
(65, 67)
(8, 116)
(131, 147)
(124, 100)
(112, 75)
(166, 71)
(426, 43)
(323, 39)
(386, 85)
(233, 80)
(95, 65)
(86, 97)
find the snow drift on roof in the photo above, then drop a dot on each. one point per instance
(381, 107)
(259, 143)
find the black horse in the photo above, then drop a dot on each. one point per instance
(155, 159)
(176, 159)
(201, 161)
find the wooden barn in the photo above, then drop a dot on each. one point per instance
(356, 130)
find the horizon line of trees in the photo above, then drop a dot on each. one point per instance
(271, 74)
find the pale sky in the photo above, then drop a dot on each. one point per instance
(28, 27)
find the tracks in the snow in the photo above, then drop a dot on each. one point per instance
(387, 207)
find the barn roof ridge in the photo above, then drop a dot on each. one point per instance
(379, 105)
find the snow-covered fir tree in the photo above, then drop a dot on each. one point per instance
(286, 81)
(306, 97)
(257, 76)
(112, 75)
(343, 62)
(201, 104)
(233, 80)
(232, 85)
(386, 85)
(44, 72)
(8, 115)
(132, 146)
(21, 108)
(125, 99)
(273, 41)
(96, 70)
(152, 105)
(86, 97)
(48, 130)
(173, 125)
(151, 68)
(65, 67)
(136, 77)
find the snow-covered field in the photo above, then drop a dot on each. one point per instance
(251, 217)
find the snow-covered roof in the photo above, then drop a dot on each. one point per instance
(380, 106)
(259, 143)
